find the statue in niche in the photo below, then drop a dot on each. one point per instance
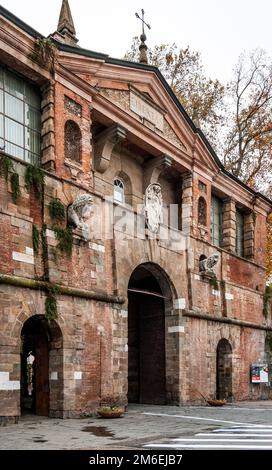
(206, 265)
(153, 207)
(80, 213)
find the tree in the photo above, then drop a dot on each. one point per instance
(247, 152)
(182, 68)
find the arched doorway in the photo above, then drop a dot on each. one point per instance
(224, 370)
(149, 298)
(41, 360)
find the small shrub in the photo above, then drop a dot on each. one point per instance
(214, 283)
(45, 53)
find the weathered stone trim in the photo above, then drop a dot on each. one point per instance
(41, 285)
(222, 250)
(231, 321)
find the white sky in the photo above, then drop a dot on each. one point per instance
(219, 29)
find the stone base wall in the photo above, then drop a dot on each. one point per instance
(87, 351)
(247, 346)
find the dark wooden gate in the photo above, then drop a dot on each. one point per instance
(41, 372)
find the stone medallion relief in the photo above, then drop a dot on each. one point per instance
(153, 207)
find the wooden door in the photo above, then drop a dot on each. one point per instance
(152, 351)
(41, 377)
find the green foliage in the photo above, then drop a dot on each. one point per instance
(214, 283)
(6, 166)
(45, 53)
(45, 251)
(15, 187)
(35, 238)
(51, 309)
(34, 177)
(57, 210)
(268, 341)
(267, 299)
(65, 239)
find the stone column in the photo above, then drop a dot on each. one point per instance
(229, 225)
(249, 226)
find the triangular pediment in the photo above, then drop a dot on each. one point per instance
(142, 106)
(144, 95)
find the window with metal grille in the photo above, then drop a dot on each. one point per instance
(216, 221)
(119, 191)
(202, 211)
(20, 118)
(239, 233)
(72, 141)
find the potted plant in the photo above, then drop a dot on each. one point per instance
(111, 407)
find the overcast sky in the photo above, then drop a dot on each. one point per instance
(219, 29)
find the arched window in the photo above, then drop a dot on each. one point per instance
(202, 211)
(201, 259)
(72, 139)
(119, 191)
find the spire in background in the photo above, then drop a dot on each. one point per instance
(66, 29)
(143, 46)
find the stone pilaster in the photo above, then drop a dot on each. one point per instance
(48, 126)
(229, 225)
(187, 203)
(249, 226)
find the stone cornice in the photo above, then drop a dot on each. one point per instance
(75, 83)
(226, 320)
(63, 290)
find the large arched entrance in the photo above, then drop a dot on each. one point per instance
(149, 298)
(224, 370)
(41, 367)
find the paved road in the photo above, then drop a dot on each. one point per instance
(151, 426)
(251, 437)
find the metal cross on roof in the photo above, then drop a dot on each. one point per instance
(142, 20)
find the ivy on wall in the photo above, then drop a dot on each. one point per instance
(34, 178)
(267, 300)
(35, 238)
(51, 309)
(6, 169)
(57, 210)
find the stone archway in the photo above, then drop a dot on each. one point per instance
(149, 304)
(41, 367)
(224, 370)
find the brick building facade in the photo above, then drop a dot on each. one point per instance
(104, 279)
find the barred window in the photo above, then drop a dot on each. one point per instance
(202, 211)
(72, 137)
(20, 117)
